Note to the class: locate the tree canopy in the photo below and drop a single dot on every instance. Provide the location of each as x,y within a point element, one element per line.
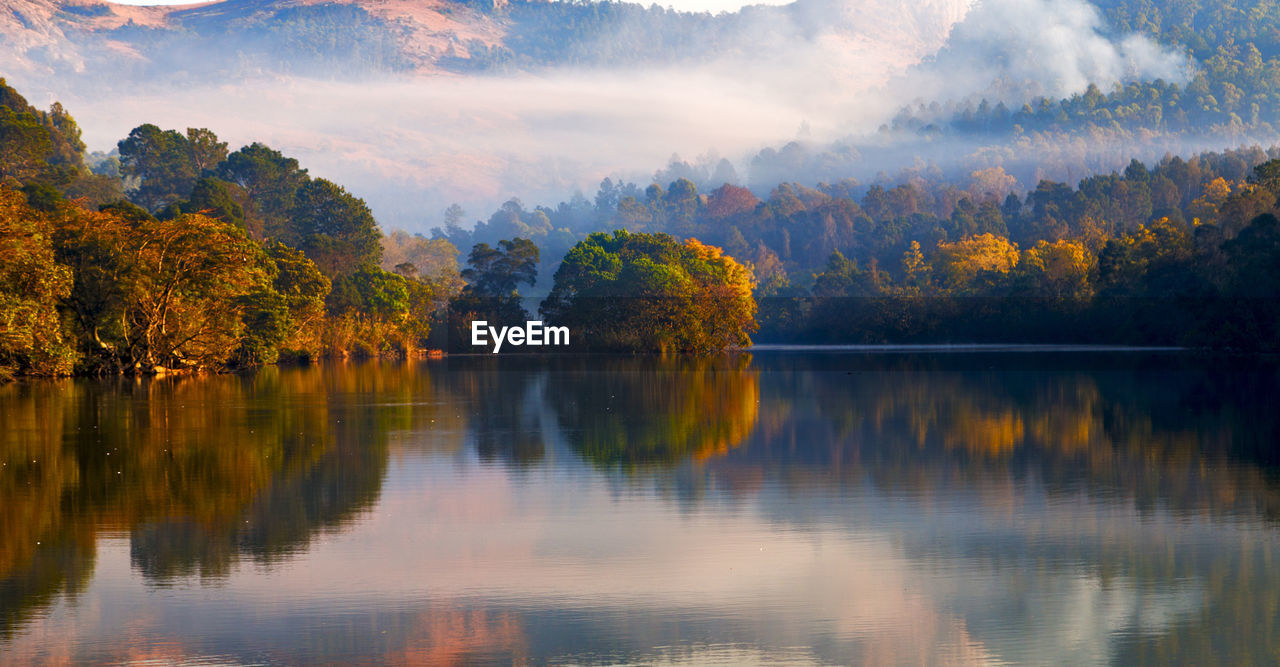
<point>213,260</point>
<point>649,292</point>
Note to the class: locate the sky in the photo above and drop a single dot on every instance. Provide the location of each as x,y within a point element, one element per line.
<point>713,6</point>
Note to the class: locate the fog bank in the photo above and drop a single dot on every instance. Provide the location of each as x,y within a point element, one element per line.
<point>821,71</point>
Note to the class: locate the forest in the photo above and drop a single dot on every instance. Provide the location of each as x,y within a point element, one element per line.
<point>1182,252</point>
<point>175,253</point>
<point>215,259</point>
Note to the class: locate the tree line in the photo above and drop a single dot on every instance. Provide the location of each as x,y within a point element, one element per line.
<point>177,253</point>
<point>1180,252</point>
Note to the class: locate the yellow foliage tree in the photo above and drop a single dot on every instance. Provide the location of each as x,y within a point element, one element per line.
<point>1205,207</point>
<point>1060,269</point>
<point>1217,190</point>
<point>723,299</point>
<point>31,285</point>
<point>958,264</point>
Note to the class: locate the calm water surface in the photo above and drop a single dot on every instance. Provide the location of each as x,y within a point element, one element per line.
<point>966,507</point>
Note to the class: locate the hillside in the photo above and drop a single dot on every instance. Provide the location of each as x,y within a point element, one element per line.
<point>420,104</point>
<point>417,105</point>
<point>241,36</point>
<point>349,38</point>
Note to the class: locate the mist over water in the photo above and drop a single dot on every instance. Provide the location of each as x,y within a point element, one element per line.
<point>816,71</point>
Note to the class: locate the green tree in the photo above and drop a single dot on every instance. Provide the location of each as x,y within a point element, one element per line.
<point>493,277</point>
<point>94,190</point>
<point>336,230</point>
<point>304,289</point>
<point>162,161</point>
<point>206,151</point>
<point>649,292</point>
<point>1250,319</point>
<point>369,313</point>
<point>67,148</point>
<point>213,197</point>
<point>266,324</point>
<point>843,278</point>
<point>1267,177</point>
<point>497,272</point>
<point>38,145</point>
<point>267,183</point>
<point>24,145</point>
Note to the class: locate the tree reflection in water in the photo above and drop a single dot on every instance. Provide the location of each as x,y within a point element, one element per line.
<point>1053,465</point>
<point>632,413</point>
<point>200,471</point>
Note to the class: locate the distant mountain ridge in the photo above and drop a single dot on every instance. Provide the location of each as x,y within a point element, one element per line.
<point>346,38</point>
<point>419,104</point>
<point>241,36</point>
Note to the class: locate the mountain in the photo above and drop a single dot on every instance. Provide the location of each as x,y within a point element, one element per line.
<point>242,36</point>
<point>352,38</point>
<point>418,104</point>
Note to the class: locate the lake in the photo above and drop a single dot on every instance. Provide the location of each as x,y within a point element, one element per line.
<point>966,506</point>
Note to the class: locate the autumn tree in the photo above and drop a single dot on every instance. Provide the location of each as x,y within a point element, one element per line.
<point>1149,261</point>
<point>915,270</point>
<point>959,265</point>
<point>649,292</point>
<point>32,285</point>
<point>1059,270</point>
<point>432,259</point>
<point>729,200</point>
<point>991,184</point>
<point>154,293</point>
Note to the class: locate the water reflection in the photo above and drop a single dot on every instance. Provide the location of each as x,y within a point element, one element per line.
<point>200,472</point>
<point>819,508</point>
<point>637,412</point>
<point>1188,439</point>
